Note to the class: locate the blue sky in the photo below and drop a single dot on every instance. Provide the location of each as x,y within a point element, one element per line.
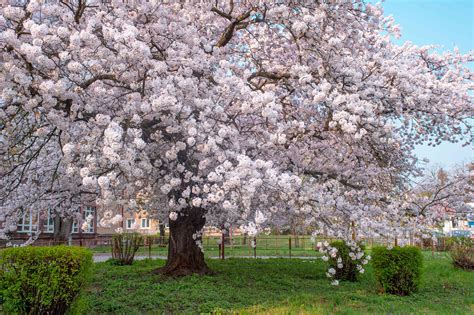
<point>447,23</point>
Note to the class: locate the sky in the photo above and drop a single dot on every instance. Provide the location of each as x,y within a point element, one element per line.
<point>447,23</point>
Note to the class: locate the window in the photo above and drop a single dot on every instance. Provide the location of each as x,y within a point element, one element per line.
<point>28,222</point>
<point>49,224</point>
<point>130,224</point>
<point>87,211</point>
<point>74,228</point>
<point>145,223</point>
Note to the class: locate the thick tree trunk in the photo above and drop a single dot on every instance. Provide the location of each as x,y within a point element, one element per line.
<point>62,229</point>
<point>184,255</point>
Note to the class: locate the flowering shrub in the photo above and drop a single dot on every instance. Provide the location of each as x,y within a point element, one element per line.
<point>124,247</point>
<point>461,250</point>
<point>398,270</point>
<point>346,260</point>
<point>42,280</point>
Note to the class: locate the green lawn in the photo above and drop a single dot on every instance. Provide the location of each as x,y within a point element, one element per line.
<point>273,286</point>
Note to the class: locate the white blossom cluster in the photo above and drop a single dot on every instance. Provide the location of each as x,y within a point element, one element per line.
<point>293,111</point>
<point>356,254</point>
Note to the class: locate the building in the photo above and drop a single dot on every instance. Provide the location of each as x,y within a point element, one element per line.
<point>459,223</point>
<point>31,222</point>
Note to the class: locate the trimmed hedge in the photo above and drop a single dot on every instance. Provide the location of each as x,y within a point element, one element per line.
<point>349,271</point>
<point>42,280</point>
<point>398,270</point>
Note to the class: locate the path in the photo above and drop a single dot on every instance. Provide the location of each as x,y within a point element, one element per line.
<point>104,257</point>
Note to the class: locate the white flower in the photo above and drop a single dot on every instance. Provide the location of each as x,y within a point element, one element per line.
<point>197,202</point>
<point>191,141</point>
<point>259,217</point>
<point>332,271</point>
<point>335,282</point>
<point>173,216</point>
<point>340,266</point>
<point>165,188</point>
<point>103,181</point>
<point>192,131</point>
<point>85,226</point>
<point>88,181</point>
<point>84,172</point>
<point>325,258</point>
<point>68,148</point>
<point>139,143</point>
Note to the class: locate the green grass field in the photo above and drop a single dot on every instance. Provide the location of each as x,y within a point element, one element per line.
<point>271,286</point>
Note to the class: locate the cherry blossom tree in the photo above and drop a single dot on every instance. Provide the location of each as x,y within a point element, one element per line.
<point>439,193</point>
<point>221,112</point>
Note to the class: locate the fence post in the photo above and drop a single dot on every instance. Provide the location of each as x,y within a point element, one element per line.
<point>432,247</point>
<point>254,247</point>
<point>149,247</point>
<point>276,246</point>
<point>223,246</point>
<point>112,247</point>
<point>289,245</point>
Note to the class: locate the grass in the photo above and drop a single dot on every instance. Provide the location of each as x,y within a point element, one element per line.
<point>271,286</point>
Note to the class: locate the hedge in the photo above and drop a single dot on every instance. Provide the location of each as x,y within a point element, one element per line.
<point>42,280</point>
<point>398,270</point>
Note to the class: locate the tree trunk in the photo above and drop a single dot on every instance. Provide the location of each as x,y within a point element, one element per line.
<point>62,229</point>
<point>226,233</point>
<point>162,232</point>
<point>184,255</point>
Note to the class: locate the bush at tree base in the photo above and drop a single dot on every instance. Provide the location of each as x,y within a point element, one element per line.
<point>124,247</point>
<point>461,250</point>
<point>349,270</point>
<point>42,280</point>
<point>398,270</point>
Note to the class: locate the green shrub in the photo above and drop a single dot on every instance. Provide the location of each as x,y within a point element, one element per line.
<point>461,250</point>
<point>42,280</point>
<point>125,246</point>
<point>398,270</point>
<point>349,271</point>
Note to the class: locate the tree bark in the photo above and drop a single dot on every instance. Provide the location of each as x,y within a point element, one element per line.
<point>62,229</point>
<point>226,233</point>
<point>184,255</point>
<point>162,232</point>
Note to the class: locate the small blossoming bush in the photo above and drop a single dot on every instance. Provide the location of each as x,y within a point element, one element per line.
<point>346,260</point>
<point>42,280</point>
<point>398,270</point>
